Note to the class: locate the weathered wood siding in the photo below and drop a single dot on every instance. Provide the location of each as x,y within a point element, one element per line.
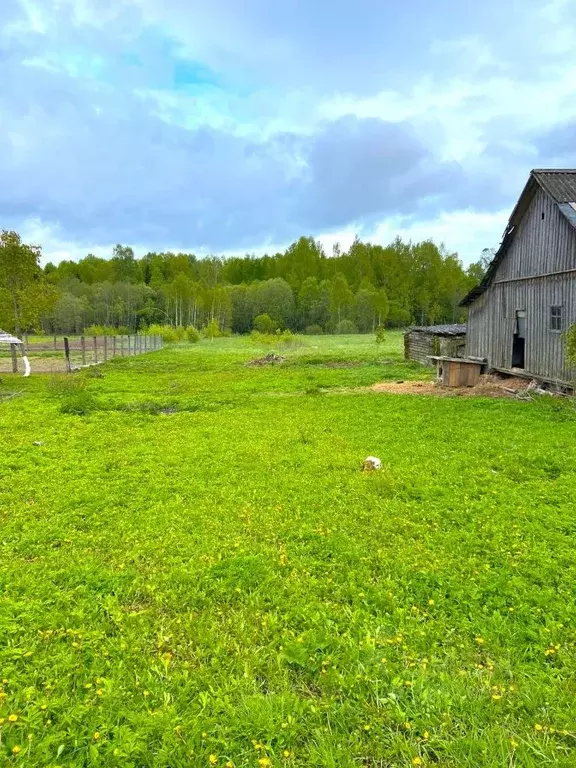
<point>542,245</point>
<point>420,345</point>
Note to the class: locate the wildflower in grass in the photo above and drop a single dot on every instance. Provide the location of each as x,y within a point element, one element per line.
<point>16,750</point>
<point>12,718</point>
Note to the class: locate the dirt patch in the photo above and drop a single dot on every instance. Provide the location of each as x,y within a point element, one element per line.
<point>270,359</point>
<point>490,385</point>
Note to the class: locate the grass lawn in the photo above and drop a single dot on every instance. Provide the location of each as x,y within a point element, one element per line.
<point>194,572</point>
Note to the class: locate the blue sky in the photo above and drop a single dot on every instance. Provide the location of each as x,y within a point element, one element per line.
<point>238,125</point>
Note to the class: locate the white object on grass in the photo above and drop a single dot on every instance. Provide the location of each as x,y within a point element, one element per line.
<point>372,463</point>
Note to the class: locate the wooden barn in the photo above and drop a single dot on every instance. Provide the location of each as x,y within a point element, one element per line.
<point>527,298</point>
<point>421,342</point>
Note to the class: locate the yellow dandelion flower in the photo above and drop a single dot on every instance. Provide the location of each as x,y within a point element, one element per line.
<point>12,718</point>
<point>212,759</point>
<point>16,750</point>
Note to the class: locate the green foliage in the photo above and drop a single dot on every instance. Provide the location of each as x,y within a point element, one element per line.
<point>570,344</point>
<point>369,284</point>
<point>192,335</point>
<point>212,330</point>
<point>264,324</point>
<point>182,581</point>
<point>346,326</point>
<point>170,335</point>
<point>314,330</point>
<point>101,330</point>
<point>24,294</point>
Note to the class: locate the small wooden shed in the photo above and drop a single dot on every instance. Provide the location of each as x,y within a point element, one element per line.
<point>423,342</point>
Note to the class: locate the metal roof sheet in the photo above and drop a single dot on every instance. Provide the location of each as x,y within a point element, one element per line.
<point>453,329</point>
<point>560,184</point>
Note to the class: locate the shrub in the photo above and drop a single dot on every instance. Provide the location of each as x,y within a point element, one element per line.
<point>212,330</point>
<point>313,330</point>
<point>264,324</point>
<point>380,334</point>
<point>346,326</point>
<point>169,333</point>
<point>192,335</point>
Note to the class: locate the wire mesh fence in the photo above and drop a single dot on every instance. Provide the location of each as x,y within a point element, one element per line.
<point>61,354</point>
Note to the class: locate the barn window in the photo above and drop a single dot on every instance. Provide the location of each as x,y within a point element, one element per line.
<point>555,318</point>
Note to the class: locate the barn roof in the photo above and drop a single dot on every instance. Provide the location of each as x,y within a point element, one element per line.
<point>7,338</point>
<point>560,185</point>
<point>454,329</point>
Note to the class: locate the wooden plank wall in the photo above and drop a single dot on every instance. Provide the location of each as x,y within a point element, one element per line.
<point>541,246</point>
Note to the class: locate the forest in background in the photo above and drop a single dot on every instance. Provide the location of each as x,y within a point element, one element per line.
<point>300,289</point>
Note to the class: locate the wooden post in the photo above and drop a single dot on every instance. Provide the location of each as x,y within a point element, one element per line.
<point>67,355</point>
<point>113,346</point>
<point>14,358</point>
<point>105,348</point>
<point>83,346</point>
<point>95,342</point>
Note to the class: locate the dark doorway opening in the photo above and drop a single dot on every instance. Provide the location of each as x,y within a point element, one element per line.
<point>518,341</point>
<point>518,352</point>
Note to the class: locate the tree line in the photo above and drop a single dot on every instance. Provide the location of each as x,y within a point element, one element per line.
<point>300,289</point>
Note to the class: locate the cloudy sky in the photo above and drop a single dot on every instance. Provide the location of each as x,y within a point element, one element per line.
<point>237,125</point>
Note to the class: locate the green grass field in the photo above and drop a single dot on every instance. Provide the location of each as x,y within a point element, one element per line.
<point>194,571</point>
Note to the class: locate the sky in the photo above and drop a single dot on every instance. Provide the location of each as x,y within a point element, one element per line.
<point>234,126</point>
